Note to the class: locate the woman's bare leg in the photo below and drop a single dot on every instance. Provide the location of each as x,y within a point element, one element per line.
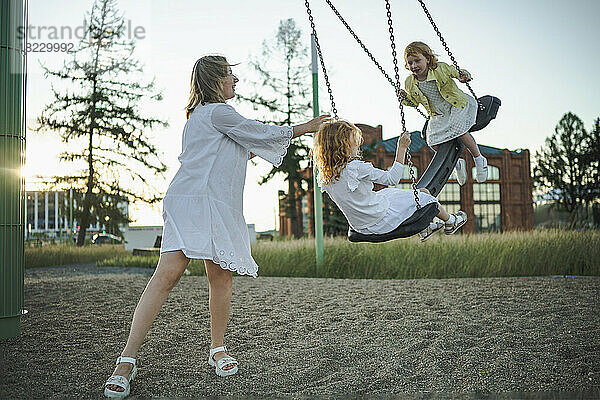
<point>171,266</point>
<point>219,303</point>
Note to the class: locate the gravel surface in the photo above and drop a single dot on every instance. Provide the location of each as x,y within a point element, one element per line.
<point>532,338</point>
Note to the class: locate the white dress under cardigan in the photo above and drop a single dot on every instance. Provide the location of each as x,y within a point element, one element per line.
<point>202,209</point>
<point>449,122</point>
<point>368,211</point>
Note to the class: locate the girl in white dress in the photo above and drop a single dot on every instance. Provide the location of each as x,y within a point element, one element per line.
<point>349,183</point>
<point>452,112</point>
<point>202,210</point>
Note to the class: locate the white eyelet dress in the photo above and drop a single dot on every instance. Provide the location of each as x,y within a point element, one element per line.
<point>202,209</point>
<point>450,122</point>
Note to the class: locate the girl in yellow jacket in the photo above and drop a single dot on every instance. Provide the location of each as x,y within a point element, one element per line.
<point>452,111</point>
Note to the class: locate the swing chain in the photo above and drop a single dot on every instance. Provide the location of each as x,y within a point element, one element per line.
<point>397,76</point>
<point>394,57</point>
<point>446,47</point>
<point>316,39</point>
<point>362,45</point>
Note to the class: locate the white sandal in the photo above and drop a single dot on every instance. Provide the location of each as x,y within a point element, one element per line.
<point>222,362</point>
<point>430,230</point>
<point>460,218</point>
<point>120,381</point>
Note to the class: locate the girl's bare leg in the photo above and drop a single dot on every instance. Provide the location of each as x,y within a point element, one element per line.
<point>219,303</point>
<point>171,266</point>
<point>480,161</point>
<point>442,214</point>
<point>469,141</point>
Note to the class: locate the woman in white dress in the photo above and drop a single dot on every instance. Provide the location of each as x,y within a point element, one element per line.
<point>202,210</point>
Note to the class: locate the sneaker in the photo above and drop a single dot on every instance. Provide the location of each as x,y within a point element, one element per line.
<point>482,171</point>
<point>461,171</point>
<point>460,218</point>
<point>430,230</point>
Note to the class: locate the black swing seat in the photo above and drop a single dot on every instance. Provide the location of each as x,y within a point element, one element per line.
<point>410,227</point>
<point>487,111</point>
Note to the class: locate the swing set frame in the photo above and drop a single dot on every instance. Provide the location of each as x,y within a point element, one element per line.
<point>440,168</point>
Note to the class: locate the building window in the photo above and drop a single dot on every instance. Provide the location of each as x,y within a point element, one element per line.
<point>62,210</point>
<point>486,192</point>
<point>51,211</point>
<point>449,197</point>
<point>487,207</point>
<point>41,211</point>
<point>487,218</point>
<point>493,173</point>
<point>30,212</point>
<point>486,197</point>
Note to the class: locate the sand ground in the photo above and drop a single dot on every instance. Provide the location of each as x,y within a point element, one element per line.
<point>306,338</point>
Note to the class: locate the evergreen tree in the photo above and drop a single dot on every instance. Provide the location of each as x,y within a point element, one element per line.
<point>592,179</point>
<point>97,115</point>
<point>563,165</point>
<point>281,95</point>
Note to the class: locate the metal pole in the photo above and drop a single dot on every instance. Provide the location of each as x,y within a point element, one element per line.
<point>70,217</point>
<point>58,223</point>
<point>317,195</point>
<point>13,14</point>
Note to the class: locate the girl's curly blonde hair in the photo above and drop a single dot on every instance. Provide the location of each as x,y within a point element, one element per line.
<point>416,48</point>
<point>335,145</point>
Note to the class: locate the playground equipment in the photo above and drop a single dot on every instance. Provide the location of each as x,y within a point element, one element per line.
<point>13,14</point>
<point>442,164</point>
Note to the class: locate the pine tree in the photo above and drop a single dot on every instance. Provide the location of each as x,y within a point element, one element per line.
<point>562,165</point>
<point>282,98</point>
<point>592,179</point>
<point>97,115</point>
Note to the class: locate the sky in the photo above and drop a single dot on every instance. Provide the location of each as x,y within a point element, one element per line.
<point>540,57</point>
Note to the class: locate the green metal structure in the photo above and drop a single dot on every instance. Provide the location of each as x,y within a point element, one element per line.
<point>13,14</point>
<point>317,195</point>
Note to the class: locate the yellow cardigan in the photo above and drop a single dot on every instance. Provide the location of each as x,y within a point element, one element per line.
<point>442,76</point>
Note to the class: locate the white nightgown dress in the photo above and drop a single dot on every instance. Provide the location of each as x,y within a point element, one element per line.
<point>202,209</point>
<point>371,212</point>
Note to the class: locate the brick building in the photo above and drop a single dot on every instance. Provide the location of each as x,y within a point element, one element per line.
<point>503,203</point>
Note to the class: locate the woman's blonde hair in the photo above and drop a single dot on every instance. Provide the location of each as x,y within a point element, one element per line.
<point>416,48</point>
<point>206,85</point>
<point>334,147</point>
